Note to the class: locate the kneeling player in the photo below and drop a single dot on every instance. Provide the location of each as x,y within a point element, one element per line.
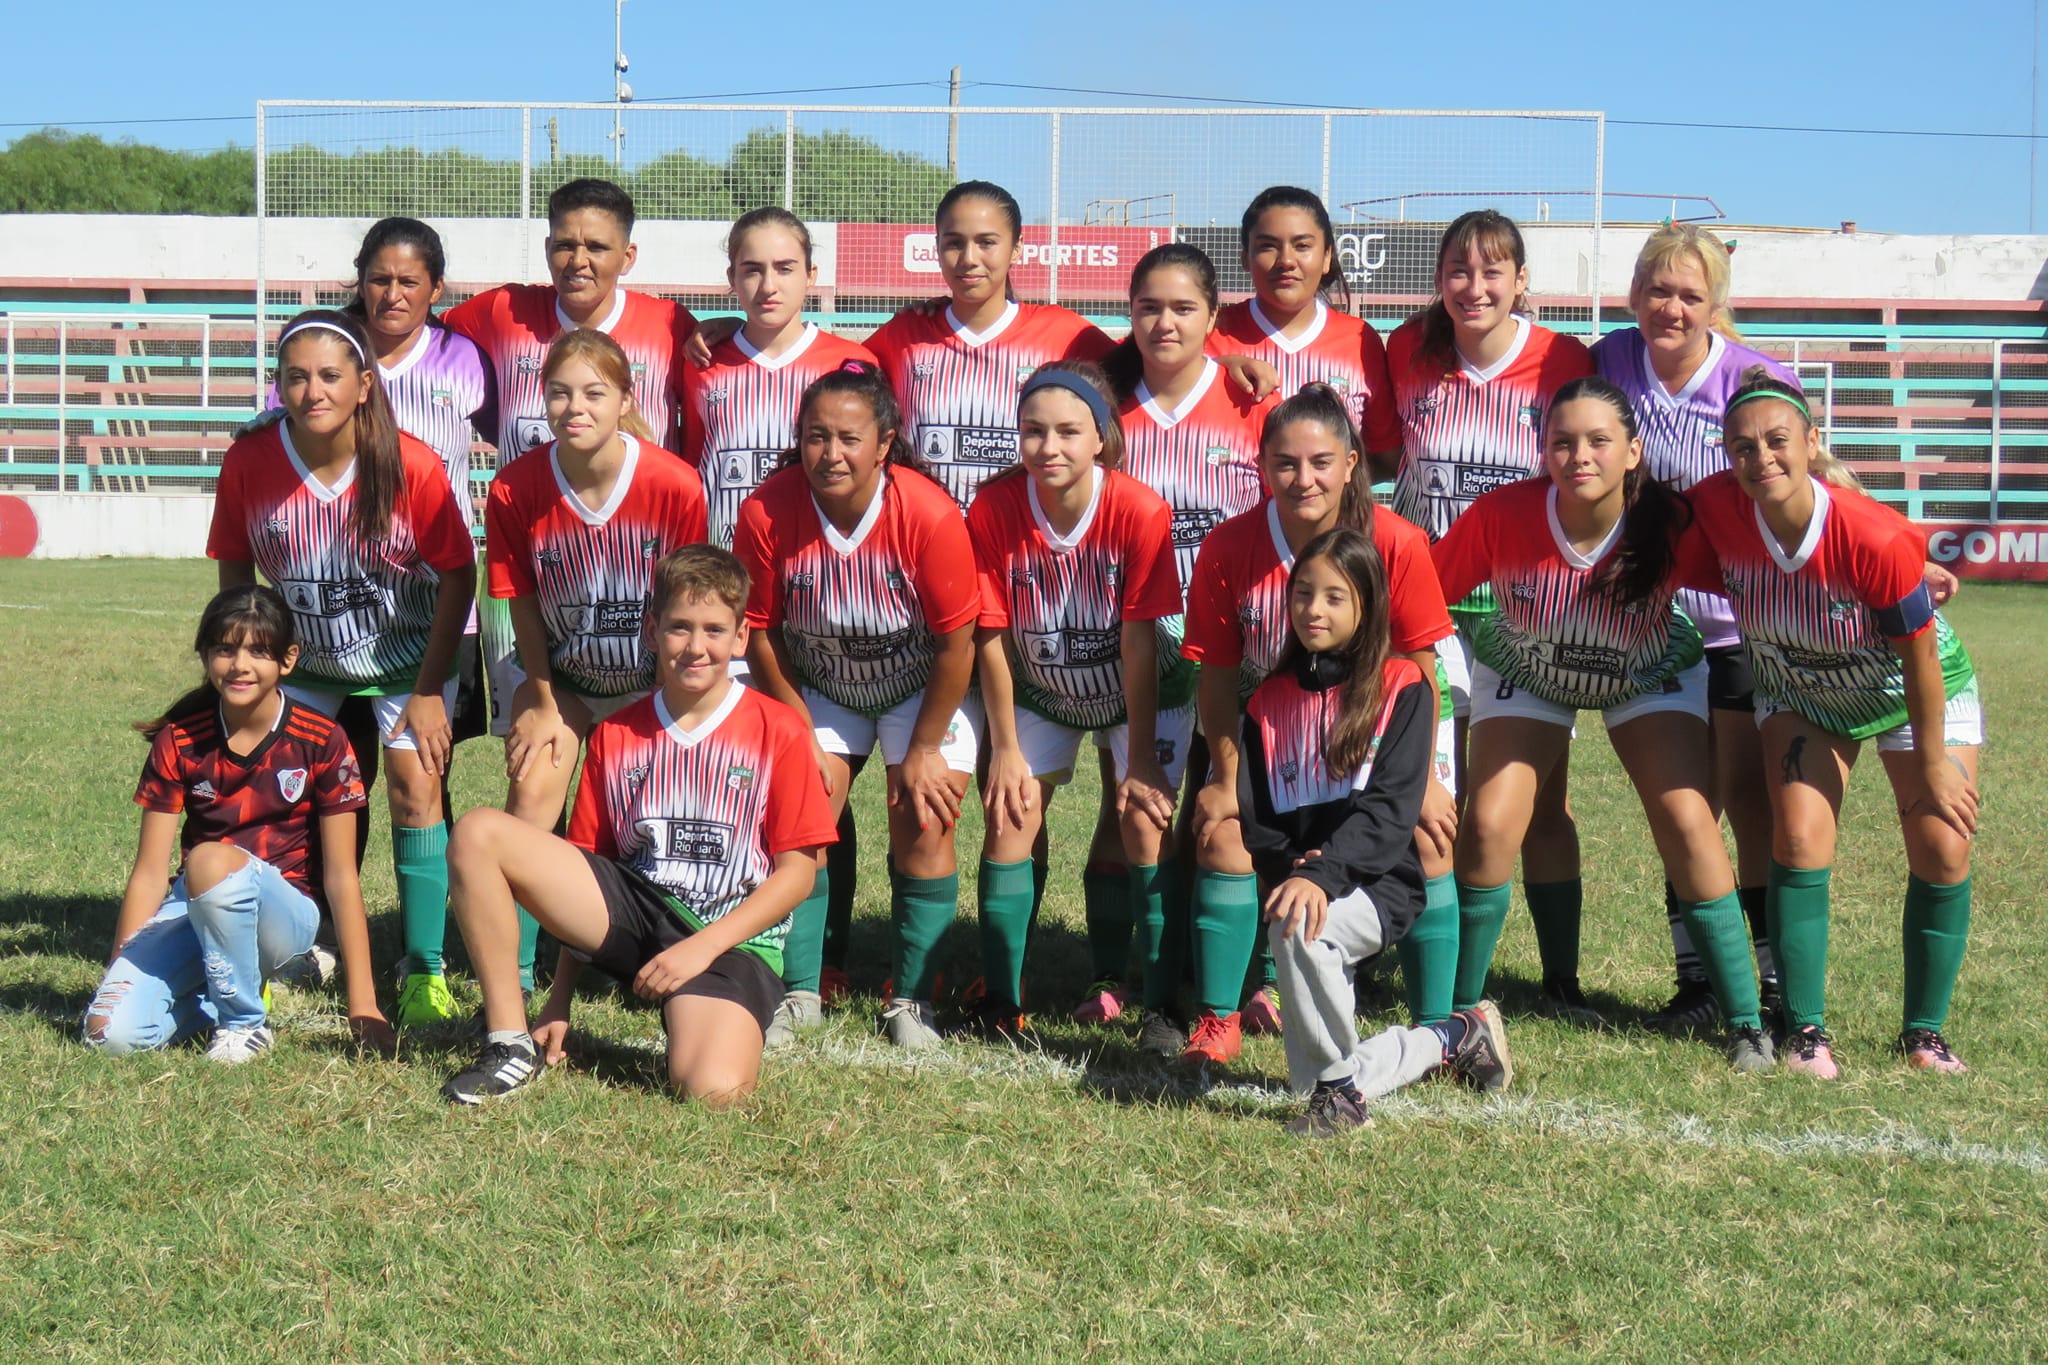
<point>696,831</point>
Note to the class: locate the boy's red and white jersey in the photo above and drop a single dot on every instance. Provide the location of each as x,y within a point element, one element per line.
<point>1469,431</point>
<point>860,614</point>
<point>267,802</point>
<point>516,323</point>
<point>1337,349</point>
<point>1063,599</point>
<point>1203,457</point>
<point>363,611</point>
<point>1237,605</point>
<point>739,413</point>
<point>589,568</point>
<point>1548,632</point>
<point>703,812</point>
<point>958,389</point>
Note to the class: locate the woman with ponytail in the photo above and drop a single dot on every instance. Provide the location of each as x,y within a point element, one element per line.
<point>1582,565</point>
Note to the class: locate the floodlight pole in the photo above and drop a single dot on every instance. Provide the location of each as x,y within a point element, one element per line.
<point>2033,115</point>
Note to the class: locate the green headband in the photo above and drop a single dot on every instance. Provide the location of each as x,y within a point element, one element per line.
<point>1783,397</point>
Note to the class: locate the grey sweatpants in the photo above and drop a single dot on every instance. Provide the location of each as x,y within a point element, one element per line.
<point>1319,1003</point>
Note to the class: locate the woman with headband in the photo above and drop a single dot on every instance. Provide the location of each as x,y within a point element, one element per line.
<point>354,523</point>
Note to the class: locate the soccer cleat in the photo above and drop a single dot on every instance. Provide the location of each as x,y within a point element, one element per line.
<point>1750,1050</point>
<point>1105,1001</point>
<point>995,1020</point>
<point>1215,1039</point>
<point>237,1045</point>
<point>834,987</point>
<point>1159,1036</point>
<point>1481,1058</point>
<point>1261,1013</point>
<point>1562,997</point>
<point>1810,1052</point>
<point>1770,1003</point>
<point>799,1012</point>
<point>1692,1006</point>
<point>424,1001</point>
<point>1332,1111</point>
<point>1926,1050</point>
<point>498,1070</point>
<point>908,1024</point>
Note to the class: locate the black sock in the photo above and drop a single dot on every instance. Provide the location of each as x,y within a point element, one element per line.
<point>1451,1032</point>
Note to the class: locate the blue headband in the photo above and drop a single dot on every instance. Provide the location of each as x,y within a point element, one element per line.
<point>1076,385</point>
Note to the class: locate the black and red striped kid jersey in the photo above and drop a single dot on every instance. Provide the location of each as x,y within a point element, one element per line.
<point>739,413</point>
<point>703,813</point>
<point>363,612</point>
<point>1063,600</point>
<point>267,802</point>
<point>589,569</point>
<point>1203,457</point>
<point>860,614</point>
<point>958,389</point>
<point>516,323</point>
<point>1337,349</point>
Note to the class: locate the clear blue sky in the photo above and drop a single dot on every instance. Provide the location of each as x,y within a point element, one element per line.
<point>1956,67</point>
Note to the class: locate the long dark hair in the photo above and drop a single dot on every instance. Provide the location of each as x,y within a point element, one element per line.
<point>1321,404</point>
<point>1295,197</point>
<point>994,194</point>
<point>1653,513</point>
<point>862,380</point>
<point>423,241</point>
<point>1498,239</point>
<point>256,616</point>
<point>1363,661</point>
<point>380,475</point>
<point>1124,366</point>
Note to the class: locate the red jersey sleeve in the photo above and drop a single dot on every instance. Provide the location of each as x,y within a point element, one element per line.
<point>1888,566</point>
<point>590,824</point>
<point>887,344</point>
<point>1091,344</point>
<point>476,318</point>
<point>985,530</point>
<point>1566,359</point>
<point>753,542</point>
<point>437,526</point>
<point>1212,638</point>
<point>1416,603</point>
<point>508,548</point>
<point>948,589</point>
<point>228,536</point>
<point>799,814</point>
<point>689,381</point>
<point>1382,419</point>
<point>160,788</point>
<point>695,521</point>
<point>1151,584</point>
<point>1464,554</point>
<point>1694,564</point>
<point>338,780</point>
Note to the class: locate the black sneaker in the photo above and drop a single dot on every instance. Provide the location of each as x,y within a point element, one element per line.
<point>1480,1059</point>
<point>1770,1002</point>
<point>993,1020</point>
<point>498,1070</point>
<point>1159,1036</point>
<point>1692,1006</point>
<point>1332,1111</point>
<point>1562,997</point>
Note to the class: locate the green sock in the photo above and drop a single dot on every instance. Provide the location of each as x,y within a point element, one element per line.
<point>1937,927</point>
<point>1798,911</point>
<point>1107,895</point>
<point>1720,936</point>
<point>419,858</point>
<point>842,862</point>
<point>921,909</point>
<point>803,951</point>
<point>1482,910</point>
<point>529,948</point>
<point>1152,901</point>
<point>1555,907</point>
<point>1429,953</point>
<point>1225,931</point>
<point>1005,905</point>
<point>1264,972</point>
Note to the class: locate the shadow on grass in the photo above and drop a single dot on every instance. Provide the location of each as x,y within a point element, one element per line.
<point>1522,997</point>
<point>54,943</point>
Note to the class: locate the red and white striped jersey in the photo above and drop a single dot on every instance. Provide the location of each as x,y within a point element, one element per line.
<point>516,323</point>
<point>1063,600</point>
<point>1818,622</point>
<point>739,413</point>
<point>362,611</point>
<point>1203,457</point>
<point>589,570</point>
<point>1548,632</point>
<point>860,614</point>
<point>1237,605</point>
<point>703,813</point>
<point>1337,349</point>
<point>958,389</point>
<point>1470,431</point>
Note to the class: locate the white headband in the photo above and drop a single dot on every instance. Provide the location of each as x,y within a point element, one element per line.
<point>321,324</point>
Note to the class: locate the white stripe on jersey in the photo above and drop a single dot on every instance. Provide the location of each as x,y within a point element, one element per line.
<point>966,417</point>
<point>1066,626</point>
<point>1198,468</point>
<point>1468,435</point>
<point>593,590</point>
<point>432,399</point>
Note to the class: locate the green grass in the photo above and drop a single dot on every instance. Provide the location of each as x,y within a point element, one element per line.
<point>1629,1200</point>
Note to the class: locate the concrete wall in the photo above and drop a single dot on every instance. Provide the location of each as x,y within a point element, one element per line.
<point>127,526</point>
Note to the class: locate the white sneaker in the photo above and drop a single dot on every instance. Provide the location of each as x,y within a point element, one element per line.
<point>908,1024</point>
<point>237,1045</point>
<point>312,969</point>
<point>799,1012</point>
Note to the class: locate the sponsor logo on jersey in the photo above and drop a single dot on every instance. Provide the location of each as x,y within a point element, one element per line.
<point>1820,660</point>
<point>350,774</point>
<point>549,559</point>
<point>739,778</point>
<point>1191,525</point>
<point>528,433</point>
<point>872,648</point>
<point>694,841</point>
<point>803,580</point>
<point>970,445</point>
<point>766,462</point>
<point>332,599</point>
<point>1250,615</point>
<point>1522,592</point>
<point>291,783</point>
<point>1426,403</point>
<point>1477,480</point>
<point>1080,648</point>
<point>713,397</point>
<point>614,618</point>
<point>923,369</point>
<point>634,777</point>
<point>276,528</point>
<point>529,364</point>
<point>1591,659</point>
<point>1736,586</point>
<point>202,790</point>
<point>1022,578</point>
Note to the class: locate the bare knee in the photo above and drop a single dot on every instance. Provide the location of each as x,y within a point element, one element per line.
<point>414,793</point>
<point>1799,843</point>
<point>480,833</point>
<point>1940,858</point>
<point>208,865</point>
<point>708,1084</point>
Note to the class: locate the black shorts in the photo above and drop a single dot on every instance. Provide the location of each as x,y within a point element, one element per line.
<point>1730,684</point>
<point>643,925</point>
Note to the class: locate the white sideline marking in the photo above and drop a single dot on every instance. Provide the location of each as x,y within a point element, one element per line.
<point>125,611</point>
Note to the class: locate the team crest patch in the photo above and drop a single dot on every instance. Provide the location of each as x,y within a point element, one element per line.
<point>651,547</point>
<point>894,578</point>
<point>291,782</point>
<point>739,777</point>
<point>1289,771</point>
<point>1340,383</point>
<point>1839,611</point>
<point>639,369</point>
<point>443,398</point>
<point>1216,455</point>
<point>1162,749</point>
<point>952,732</point>
<point>1024,372</point>
<point>1532,415</point>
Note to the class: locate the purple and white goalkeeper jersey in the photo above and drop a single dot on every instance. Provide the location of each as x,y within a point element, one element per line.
<point>439,391</point>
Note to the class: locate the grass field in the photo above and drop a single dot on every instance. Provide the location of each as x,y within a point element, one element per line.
<point>1630,1199</point>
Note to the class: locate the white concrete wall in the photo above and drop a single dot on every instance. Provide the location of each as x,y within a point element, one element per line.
<point>120,526</point>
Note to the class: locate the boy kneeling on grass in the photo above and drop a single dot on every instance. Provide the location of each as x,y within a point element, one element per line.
<point>695,832</point>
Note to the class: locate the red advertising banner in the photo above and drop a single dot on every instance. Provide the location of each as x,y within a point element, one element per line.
<point>1975,550</point>
<point>893,258</point>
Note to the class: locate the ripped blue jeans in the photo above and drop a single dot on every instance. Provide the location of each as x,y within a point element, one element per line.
<point>201,961</point>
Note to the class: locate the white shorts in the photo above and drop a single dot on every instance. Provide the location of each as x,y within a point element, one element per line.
<point>1493,696</point>
<point>848,732</point>
<point>1050,747</point>
<point>386,709</point>
<point>1962,722</point>
<point>1455,655</point>
<point>1446,764</point>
